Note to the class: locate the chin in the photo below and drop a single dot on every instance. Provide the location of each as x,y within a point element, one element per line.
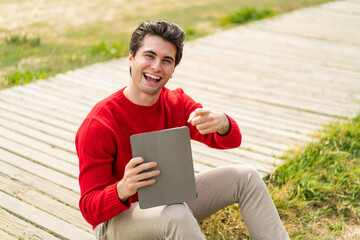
<point>151,91</point>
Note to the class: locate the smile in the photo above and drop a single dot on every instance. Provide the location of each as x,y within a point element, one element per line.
<point>152,78</point>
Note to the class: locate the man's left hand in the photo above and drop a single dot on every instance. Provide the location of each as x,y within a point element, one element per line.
<point>207,121</point>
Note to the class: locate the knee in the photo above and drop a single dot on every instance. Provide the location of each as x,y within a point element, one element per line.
<point>177,214</point>
<point>179,219</point>
<point>249,181</point>
<point>246,174</point>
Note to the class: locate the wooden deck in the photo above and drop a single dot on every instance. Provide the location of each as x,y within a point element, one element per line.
<point>281,79</point>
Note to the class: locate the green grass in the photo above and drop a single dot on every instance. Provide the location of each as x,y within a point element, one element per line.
<point>29,62</point>
<point>317,190</point>
<point>246,15</point>
<point>22,40</point>
<point>27,57</point>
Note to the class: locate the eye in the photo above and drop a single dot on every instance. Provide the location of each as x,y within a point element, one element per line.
<point>149,56</point>
<point>166,61</point>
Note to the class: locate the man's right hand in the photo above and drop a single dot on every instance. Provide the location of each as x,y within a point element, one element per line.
<point>134,177</point>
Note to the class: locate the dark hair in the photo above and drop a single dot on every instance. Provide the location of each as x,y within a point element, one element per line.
<point>168,31</point>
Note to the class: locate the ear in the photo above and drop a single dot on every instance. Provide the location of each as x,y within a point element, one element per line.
<point>131,58</point>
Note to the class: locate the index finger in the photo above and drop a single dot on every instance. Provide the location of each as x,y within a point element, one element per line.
<point>197,112</point>
<point>191,117</point>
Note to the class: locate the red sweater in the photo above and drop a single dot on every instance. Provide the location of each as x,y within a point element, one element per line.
<point>103,145</point>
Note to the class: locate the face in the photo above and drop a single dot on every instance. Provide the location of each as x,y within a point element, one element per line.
<point>152,66</point>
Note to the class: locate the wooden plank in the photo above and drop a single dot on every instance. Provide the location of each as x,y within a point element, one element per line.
<point>310,29</point>
<point>276,100</point>
<point>257,138</point>
<point>263,116</point>
<point>40,117</point>
<point>277,86</point>
<point>39,135</point>
<point>231,155</point>
<point>292,47</point>
<point>200,167</point>
<point>85,83</point>
<point>278,72</point>
<point>42,219</point>
<point>261,149</point>
<point>54,190</point>
<point>263,110</point>
<point>54,88</point>
<point>341,22</point>
<point>39,157</point>
<point>23,90</point>
<point>21,229</point>
<point>314,47</point>
<point>6,236</point>
<point>43,147</point>
<point>256,116</point>
<point>284,53</point>
<point>268,97</point>
<point>230,58</point>
<point>43,202</point>
<point>233,52</point>
<point>40,103</point>
<point>41,171</point>
<point>38,125</point>
<point>48,91</point>
<point>266,126</point>
<point>259,60</point>
<point>216,160</point>
<point>50,113</point>
<point>110,71</point>
<point>348,7</point>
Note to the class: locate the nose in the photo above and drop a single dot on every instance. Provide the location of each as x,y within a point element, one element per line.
<point>156,66</point>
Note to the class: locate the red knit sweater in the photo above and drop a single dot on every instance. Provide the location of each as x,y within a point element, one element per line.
<point>103,145</point>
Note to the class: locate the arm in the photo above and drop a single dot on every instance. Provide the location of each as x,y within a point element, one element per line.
<point>102,198</point>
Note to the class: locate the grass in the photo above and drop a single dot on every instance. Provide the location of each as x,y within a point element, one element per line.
<point>246,15</point>
<point>317,190</point>
<point>28,61</point>
<point>30,56</point>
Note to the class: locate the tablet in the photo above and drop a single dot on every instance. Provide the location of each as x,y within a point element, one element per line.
<point>171,149</point>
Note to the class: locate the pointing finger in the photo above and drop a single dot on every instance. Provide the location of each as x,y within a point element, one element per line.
<point>192,116</point>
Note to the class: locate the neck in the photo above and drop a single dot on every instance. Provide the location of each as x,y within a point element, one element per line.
<point>140,98</point>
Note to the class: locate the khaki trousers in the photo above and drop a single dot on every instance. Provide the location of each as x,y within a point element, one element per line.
<point>217,188</point>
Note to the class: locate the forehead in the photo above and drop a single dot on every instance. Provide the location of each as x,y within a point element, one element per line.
<point>158,45</point>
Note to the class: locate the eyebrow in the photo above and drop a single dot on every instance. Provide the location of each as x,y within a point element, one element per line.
<point>166,57</point>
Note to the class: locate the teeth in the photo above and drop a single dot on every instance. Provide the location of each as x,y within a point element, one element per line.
<point>152,76</point>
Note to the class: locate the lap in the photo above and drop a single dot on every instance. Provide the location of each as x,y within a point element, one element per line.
<point>161,222</point>
<point>216,189</point>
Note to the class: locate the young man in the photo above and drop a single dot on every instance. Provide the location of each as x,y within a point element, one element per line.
<point>110,177</point>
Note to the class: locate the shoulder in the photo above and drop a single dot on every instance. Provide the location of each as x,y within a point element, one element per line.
<point>104,114</point>
<point>177,94</point>
<point>106,106</point>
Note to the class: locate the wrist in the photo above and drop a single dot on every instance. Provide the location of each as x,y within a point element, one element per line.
<point>225,128</point>
<point>121,195</point>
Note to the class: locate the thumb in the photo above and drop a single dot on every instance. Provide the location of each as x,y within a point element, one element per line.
<point>201,111</point>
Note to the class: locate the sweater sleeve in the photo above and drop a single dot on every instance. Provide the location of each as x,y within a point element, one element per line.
<point>214,140</point>
<point>96,149</point>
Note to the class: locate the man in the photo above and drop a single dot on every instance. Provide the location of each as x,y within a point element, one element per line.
<point>110,177</point>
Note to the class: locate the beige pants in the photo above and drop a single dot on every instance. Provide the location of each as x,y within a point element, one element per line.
<point>217,188</point>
